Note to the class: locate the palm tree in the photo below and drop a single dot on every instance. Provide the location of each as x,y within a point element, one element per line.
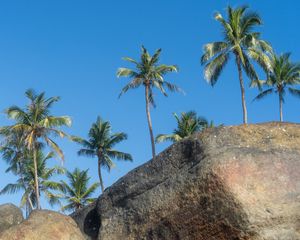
<point>37,124</point>
<point>78,193</point>
<point>26,181</point>
<point>187,124</point>
<point>282,74</point>
<point>239,38</point>
<point>14,152</point>
<point>101,144</point>
<point>149,74</point>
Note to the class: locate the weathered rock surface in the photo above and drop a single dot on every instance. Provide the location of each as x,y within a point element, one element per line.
<point>229,183</point>
<point>10,215</point>
<point>44,225</point>
<point>88,221</point>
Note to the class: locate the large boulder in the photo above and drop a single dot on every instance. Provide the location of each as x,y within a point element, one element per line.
<point>88,220</point>
<point>44,225</point>
<point>228,183</point>
<point>10,215</point>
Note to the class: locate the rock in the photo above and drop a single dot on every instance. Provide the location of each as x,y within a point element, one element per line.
<point>88,221</point>
<point>44,225</point>
<point>10,215</point>
<point>228,183</point>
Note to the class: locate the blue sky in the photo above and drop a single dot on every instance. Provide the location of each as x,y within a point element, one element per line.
<point>73,48</point>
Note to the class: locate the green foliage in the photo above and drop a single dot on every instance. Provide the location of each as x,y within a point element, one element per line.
<point>239,39</point>
<point>37,125</point>
<point>25,182</point>
<point>100,144</point>
<point>148,72</point>
<point>282,75</point>
<point>77,193</point>
<point>187,124</point>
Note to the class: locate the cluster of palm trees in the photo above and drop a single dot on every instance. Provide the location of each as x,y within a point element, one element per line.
<point>34,128</point>
<point>25,142</point>
<point>245,46</point>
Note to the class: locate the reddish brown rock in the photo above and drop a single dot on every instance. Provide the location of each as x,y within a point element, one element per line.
<point>44,225</point>
<point>228,183</point>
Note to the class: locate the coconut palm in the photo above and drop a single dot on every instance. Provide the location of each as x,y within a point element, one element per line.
<point>37,124</point>
<point>14,152</point>
<point>282,74</point>
<point>100,144</point>
<point>26,181</point>
<point>239,38</point>
<point>149,74</point>
<point>188,123</point>
<point>78,193</point>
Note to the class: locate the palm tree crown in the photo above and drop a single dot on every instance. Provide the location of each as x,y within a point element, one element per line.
<point>187,124</point>
<point>149,74</point>
<point>78,193</point>
<point>101,143</point>
<point>239,39</point>
<point>282,74</point>
<point>37,124</point>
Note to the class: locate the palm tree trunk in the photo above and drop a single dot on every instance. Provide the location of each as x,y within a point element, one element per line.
<point>28,201</point>
<point>280,107</point>
<point>149,120</point>
<point>36,182</point>
<point>100,175</point>
<point>245,116</point>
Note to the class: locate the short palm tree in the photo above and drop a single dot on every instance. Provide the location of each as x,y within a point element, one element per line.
<point>187,124</point>
<point>239,38</point>
<point>149,74</point>
<point>282,75</point>
<point>37,124</point>
<point>100,144</point>
<point>78,193</point>
<point>26,181</point>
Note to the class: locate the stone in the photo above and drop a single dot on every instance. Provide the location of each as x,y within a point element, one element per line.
<point>88,221</point>
<point>44,225</point>
<point>10,215</point>
<point>226,183</point>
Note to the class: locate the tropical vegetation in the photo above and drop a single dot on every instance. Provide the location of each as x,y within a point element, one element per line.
<point>100,144</point>
<point>35,129</point>
<point>37,125</point>
<point>150,74</point>
<point>238,39</point>
<point>78,193</point>
<point>188,123</point>
<point>282,75</point>
<point>26,182</point>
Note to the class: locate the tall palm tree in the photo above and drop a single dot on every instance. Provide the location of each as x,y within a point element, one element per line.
<point>26,182</point>
<point>38,125</point>
<point>149,74</point>
<point>282,75</point>
<point>78,193</point>
<point>100,144</point>
<point>239,37</point>
<point>188,123</point>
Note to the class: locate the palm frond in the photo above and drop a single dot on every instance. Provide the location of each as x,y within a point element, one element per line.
<point>263,94</point>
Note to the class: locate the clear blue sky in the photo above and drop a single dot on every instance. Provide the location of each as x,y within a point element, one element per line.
<point>73,48</point>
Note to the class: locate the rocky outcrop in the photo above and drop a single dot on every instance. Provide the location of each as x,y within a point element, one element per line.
<point>44,225</point>
<point>228,183</point>
<point>10,215</point>
<point>88,221</point>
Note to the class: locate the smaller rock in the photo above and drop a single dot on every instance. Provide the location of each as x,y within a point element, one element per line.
<point>10,215</point>
<point>44,225</point>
